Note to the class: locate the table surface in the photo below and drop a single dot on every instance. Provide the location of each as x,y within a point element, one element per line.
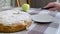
<point>35,28</point>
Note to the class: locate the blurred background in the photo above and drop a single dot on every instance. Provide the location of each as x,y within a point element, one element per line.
<point>19,3</point>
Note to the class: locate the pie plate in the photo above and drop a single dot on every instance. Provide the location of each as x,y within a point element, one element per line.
<point>42,18</point>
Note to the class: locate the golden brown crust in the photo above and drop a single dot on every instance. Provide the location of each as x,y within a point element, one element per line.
<point>18,27</point>
<point>11,28</point>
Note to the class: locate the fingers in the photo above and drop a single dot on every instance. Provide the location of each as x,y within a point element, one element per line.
<point>49,5</point>
<point>53,6</point>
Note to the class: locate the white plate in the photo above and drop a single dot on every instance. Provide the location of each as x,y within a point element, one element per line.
<point>42,18</point>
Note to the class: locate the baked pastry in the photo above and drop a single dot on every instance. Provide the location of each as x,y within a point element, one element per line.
<point>13,21</point>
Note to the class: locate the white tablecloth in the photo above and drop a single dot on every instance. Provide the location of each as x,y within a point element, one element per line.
<point>49,28</point>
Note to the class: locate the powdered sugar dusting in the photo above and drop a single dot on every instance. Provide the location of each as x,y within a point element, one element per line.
<point>11,17</point>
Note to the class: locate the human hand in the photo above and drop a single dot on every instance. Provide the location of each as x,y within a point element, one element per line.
<point>53,6</point>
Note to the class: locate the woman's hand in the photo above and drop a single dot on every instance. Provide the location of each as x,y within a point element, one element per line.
<point>53,5</point>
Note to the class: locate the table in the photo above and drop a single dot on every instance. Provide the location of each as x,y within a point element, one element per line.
<point>35,28</point>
